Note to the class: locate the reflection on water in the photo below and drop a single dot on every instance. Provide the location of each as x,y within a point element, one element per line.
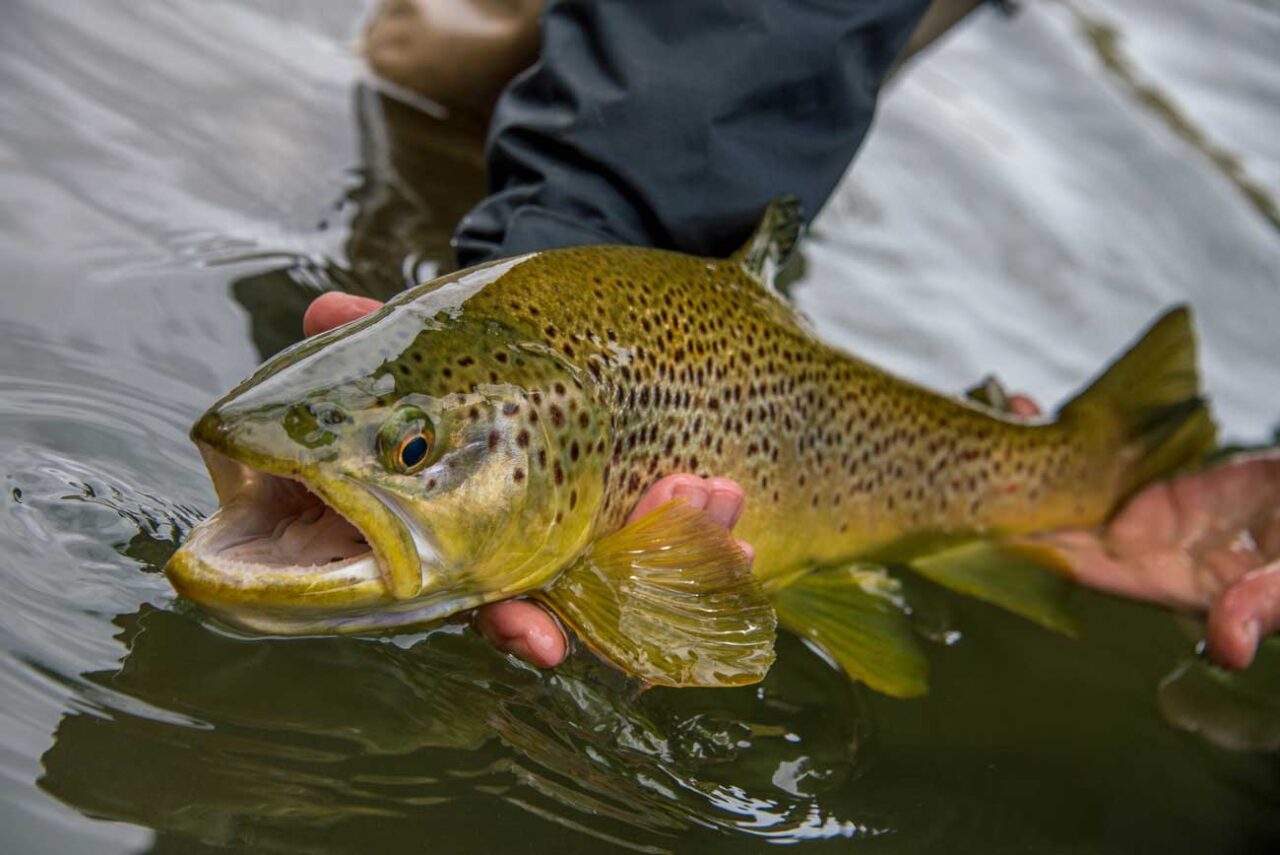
<point>180,180</point>
<point>398,217</point>
<point>238,740</point>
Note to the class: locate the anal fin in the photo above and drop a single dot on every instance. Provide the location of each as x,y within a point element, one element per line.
<point>1023,578</point>
<point>856,614</point>
<point>670,599</point>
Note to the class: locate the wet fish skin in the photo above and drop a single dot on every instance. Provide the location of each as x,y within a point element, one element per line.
<point>561,384</point>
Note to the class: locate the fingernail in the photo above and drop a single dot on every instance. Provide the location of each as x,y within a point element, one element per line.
<point>694,497</point>
<point>1251,632</point>
<point>725,506</point>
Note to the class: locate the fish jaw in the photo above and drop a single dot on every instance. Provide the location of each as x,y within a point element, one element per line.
<point>291,551</point>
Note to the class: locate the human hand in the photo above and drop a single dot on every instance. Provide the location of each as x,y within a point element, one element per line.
<point>523,627</point>
<point>1204,541</point>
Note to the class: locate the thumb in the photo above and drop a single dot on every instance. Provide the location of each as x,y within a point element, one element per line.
<point>335,309</point>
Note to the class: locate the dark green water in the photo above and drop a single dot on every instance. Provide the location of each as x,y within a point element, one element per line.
<point>179,179</point>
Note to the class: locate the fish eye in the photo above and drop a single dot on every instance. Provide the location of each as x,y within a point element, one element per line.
<point>406,439</point>
<point>413,450</point>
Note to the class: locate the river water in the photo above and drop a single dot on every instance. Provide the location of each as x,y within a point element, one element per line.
<point>180,178</point>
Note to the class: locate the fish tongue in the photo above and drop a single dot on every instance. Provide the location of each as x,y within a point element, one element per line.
<point>318,535</point>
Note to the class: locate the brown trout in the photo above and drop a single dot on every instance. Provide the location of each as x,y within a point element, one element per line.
<point>485,435</point>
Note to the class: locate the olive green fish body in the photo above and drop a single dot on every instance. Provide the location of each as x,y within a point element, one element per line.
<point>695,366</point>
<point>487,434</point>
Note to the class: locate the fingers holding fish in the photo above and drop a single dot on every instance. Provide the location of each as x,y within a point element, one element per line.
<point>1205,541</point>
<point>722,499</point>
<point>1246,612</point>
<point>524,629</point>
<point>1021,405</point>
<point>334,309</point>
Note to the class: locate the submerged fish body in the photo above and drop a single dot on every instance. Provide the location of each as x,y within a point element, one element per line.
<point>486,434</point>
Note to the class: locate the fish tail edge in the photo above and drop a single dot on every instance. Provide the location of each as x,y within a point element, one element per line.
<point>1150,400</point>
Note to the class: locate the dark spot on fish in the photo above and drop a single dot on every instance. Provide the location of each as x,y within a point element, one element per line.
<point>559,473</point>
<point>494,438</point>
<point>573,499</point>
<point>522,439</point>
<point>518,474</point>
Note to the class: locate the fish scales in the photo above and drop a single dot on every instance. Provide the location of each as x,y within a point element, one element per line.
<point>700,368</point>
<point>486,435</point>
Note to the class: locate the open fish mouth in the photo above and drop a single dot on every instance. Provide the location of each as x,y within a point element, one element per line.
<point>289,554</point>
<point>275,552</point>
<point>286,528</point>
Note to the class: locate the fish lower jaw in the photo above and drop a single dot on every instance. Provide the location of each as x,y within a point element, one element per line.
<point>227,571</point>
<point>385,617</point>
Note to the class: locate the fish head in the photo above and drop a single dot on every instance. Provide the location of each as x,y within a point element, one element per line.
<point>360,490</point>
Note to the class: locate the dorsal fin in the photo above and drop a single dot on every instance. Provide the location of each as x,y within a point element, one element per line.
<point>774,239</point>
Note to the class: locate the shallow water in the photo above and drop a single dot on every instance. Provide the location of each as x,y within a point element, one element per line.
<point>179,179</point>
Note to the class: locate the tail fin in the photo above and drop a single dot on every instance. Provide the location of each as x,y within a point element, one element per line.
<point>1151,395</point>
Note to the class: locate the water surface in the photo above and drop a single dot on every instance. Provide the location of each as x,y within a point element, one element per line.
<point>181,178</point>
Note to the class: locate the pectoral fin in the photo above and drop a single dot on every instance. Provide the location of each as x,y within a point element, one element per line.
<point>670,598</point>
<point>857,615</point>
<point>1025,579</point>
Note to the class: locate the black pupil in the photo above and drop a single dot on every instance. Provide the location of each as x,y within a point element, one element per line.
<point>412,452</point>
